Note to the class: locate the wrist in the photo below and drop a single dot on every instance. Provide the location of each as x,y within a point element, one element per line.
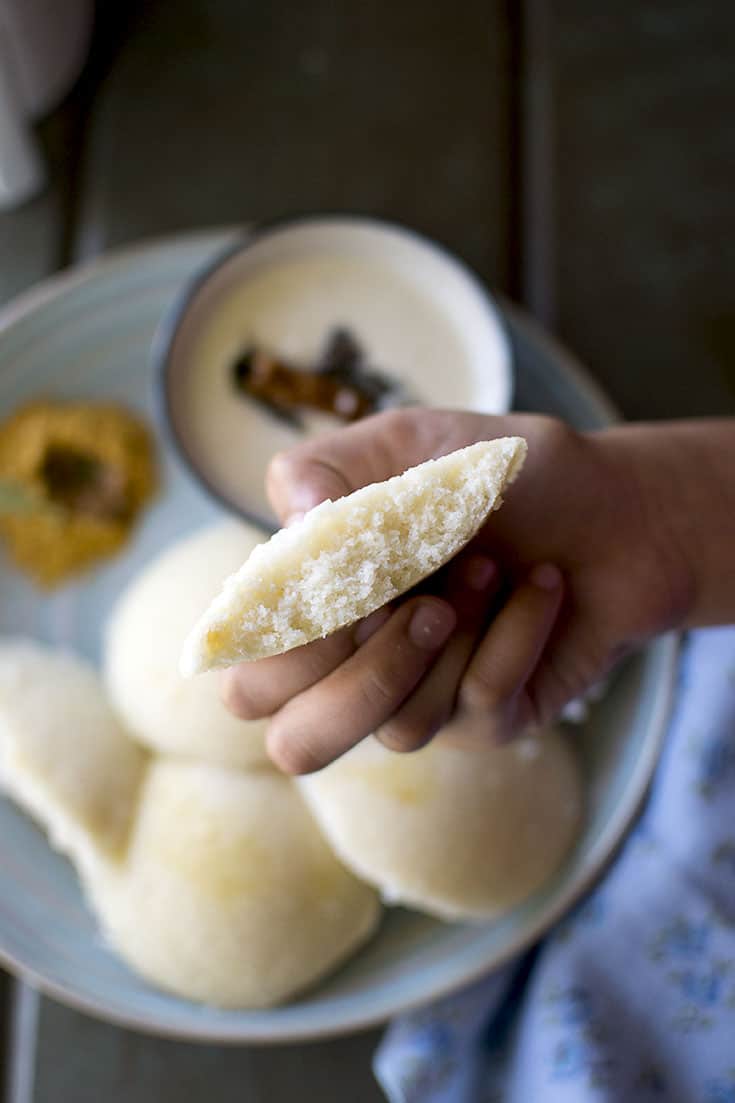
<point>653,474</point>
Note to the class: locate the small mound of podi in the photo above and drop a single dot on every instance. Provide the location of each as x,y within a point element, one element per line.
<point>87,469</point>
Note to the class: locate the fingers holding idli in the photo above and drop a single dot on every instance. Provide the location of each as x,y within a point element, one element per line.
<point>497,684</point>
<point>471,586</point>
<point>255,690</point>
<point>460,654</point>
<point>363,692</point>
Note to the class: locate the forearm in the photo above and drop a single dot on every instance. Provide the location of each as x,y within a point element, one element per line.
<point>684,474</point>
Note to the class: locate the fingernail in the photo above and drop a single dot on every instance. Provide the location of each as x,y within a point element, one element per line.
<point>546,576</point>
<point>478,572</point>
<point>431,625</point>
<point>370,625</point>
<point>294,518</point>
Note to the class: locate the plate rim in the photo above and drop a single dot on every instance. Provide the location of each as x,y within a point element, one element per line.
<point>619,827</point>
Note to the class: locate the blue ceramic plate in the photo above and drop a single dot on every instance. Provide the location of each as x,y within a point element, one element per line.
<point>88,335</point>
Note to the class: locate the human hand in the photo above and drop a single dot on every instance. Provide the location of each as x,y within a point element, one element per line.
<point>571,573</point>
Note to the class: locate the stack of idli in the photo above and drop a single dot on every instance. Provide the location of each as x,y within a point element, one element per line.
<point>203,865</point>
<point>213,875</point>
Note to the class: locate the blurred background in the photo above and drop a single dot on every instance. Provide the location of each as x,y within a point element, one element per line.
<point>580,156</point>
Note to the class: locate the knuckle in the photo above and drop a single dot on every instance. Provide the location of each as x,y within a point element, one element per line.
<point>556,431</point>
<point>289,752</point>
<point>379,690</point>
<point>479,692</point>
<point>396,420</point>
<point>320,657</point>
<point>404,736</point>
<point>531,712</point>
<point>239,699</point>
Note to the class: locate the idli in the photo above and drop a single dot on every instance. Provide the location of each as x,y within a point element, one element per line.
<point>144,637</point>
<point>457,833</point>
<point>229,894</point>
<point>63,755</point>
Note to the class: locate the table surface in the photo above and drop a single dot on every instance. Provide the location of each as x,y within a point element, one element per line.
<point>580,156</point>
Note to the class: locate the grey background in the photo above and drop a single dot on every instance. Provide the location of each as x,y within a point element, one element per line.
<point>581,156</point>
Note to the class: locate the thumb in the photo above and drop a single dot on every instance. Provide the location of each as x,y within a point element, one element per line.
<point>336,463</point>
<point>296,484</point>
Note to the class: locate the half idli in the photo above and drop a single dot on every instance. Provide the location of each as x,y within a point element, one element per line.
<point>345,559</point>
<point>64,757</point>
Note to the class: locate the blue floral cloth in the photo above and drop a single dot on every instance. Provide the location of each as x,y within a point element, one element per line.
<point>632,998</point>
